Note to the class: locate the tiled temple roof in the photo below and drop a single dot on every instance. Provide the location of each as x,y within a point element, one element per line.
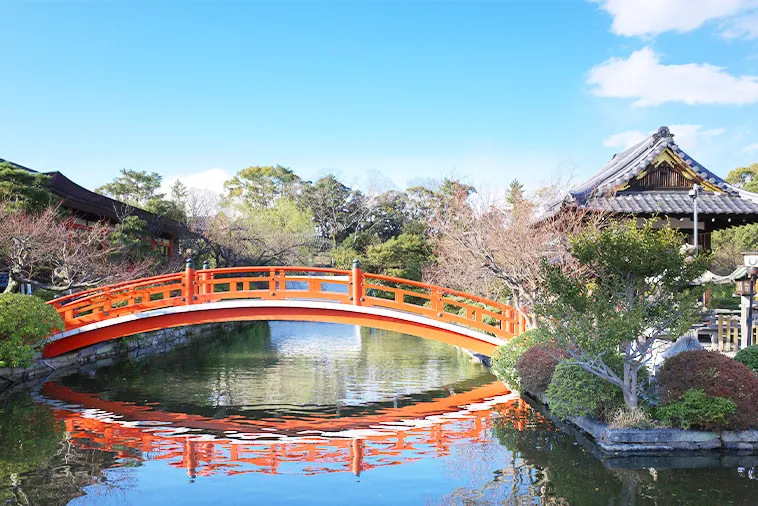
<point>601,190</point>
<point>76,197</point>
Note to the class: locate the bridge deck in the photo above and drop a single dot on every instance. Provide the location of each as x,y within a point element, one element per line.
<point>283,293</point>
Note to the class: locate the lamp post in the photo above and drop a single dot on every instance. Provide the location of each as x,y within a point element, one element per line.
<point>751,262</point>
<point>694,194</point>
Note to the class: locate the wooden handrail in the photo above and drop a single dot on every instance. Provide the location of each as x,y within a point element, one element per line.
<point>270,283</point>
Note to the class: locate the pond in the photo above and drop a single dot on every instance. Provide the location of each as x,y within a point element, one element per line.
<point>303,413</point>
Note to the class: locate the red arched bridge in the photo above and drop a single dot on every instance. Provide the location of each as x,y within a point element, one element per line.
<point>283,293</point>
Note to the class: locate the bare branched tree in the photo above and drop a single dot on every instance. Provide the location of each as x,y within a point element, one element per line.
<point>49,252</point>
<point>496,249</point>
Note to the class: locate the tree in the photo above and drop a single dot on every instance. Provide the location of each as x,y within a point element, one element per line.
<point>729,244</point>
<point>44,250</point>
<point>496,250</point>
<point>128,238</point>
<point>430,204</point>
<point>515,193</point>
<point>24,189</point>
<point>744,177</point>
<point>391,216</point>
<point>404,256</point>
<point>134,187</point>
<point>262,186</point>
<point>633,286</point>
<point>338,211</point>
<point>140,189</point>
<point>278,235</point>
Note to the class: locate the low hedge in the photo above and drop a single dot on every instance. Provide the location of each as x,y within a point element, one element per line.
<point>25,324</point>
<point>716,375</point>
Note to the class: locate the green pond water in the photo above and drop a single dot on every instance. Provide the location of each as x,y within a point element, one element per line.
<point>303,413</point>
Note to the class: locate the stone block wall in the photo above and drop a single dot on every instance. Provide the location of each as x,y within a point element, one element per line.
<point>111,352</point>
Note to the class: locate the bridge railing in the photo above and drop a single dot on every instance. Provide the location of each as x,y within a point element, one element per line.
<point>290,283</point>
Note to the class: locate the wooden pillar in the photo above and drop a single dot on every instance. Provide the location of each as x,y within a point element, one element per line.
<point>189,282</point>
<point>356,288</point>
<point>205,287</point>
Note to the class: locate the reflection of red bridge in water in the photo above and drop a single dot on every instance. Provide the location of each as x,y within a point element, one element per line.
<point>283,293</point>
<point>394,436</point>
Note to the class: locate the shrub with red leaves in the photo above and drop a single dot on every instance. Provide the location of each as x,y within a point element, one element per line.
<point>536,367</point>
<point>718,376</point>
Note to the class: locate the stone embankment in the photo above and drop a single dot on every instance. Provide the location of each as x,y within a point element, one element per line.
<point>623,442</point>
<point>109,352</point>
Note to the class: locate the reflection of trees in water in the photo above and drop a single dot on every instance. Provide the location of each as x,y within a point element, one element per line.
<point>39,466</point>
<point>547,467</point>
<point>515,483</point>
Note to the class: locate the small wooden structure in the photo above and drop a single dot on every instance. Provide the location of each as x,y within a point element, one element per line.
<point>726,331</point>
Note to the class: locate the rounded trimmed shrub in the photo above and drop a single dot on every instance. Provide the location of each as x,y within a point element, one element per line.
<point>697,410</point>
<point>717,376</point>
<point>506,357</point>
<point>536,367</point>
<point>576,392</point>
<point>25,324</point>
<point>749,357</point>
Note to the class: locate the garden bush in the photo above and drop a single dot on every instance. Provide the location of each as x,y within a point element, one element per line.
<point>697,410</point>
<point>749,357</point>
<point>536,366</point>
<point>576,392</point>
<point>717,376</point>
<point>25,324</point>
<point>506,357</point>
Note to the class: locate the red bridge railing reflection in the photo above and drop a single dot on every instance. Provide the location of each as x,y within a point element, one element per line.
<point>356,445</point>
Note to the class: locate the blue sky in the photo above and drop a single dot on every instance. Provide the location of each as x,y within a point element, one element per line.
<point>489,91</point>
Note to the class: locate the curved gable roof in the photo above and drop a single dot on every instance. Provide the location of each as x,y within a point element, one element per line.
<point>627,164</point>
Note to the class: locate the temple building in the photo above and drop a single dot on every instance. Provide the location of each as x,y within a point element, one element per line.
<point>654,178</point>
<point>87,207</point>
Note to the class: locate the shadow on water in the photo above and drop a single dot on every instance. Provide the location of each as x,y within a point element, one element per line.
<point>273,413</point>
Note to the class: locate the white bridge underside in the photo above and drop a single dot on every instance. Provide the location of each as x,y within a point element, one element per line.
<point>305,304</point>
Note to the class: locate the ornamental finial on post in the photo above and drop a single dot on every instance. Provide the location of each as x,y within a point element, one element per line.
<point>206,265</point>
<point>356,264</point>
<point>189,263</point>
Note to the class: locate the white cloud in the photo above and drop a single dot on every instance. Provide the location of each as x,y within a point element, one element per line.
<point>742,27</point>
<point>691,136</point>
<point>211,179</point>
<point>624,140</point>
<point>686,136</point>
<point>749,149</point>
<point>652,17</point>
<point>643,77</point>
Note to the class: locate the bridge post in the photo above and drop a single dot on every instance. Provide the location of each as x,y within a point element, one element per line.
<point>189,282</point>
<point>356,287</point>
<point>205,277</point>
